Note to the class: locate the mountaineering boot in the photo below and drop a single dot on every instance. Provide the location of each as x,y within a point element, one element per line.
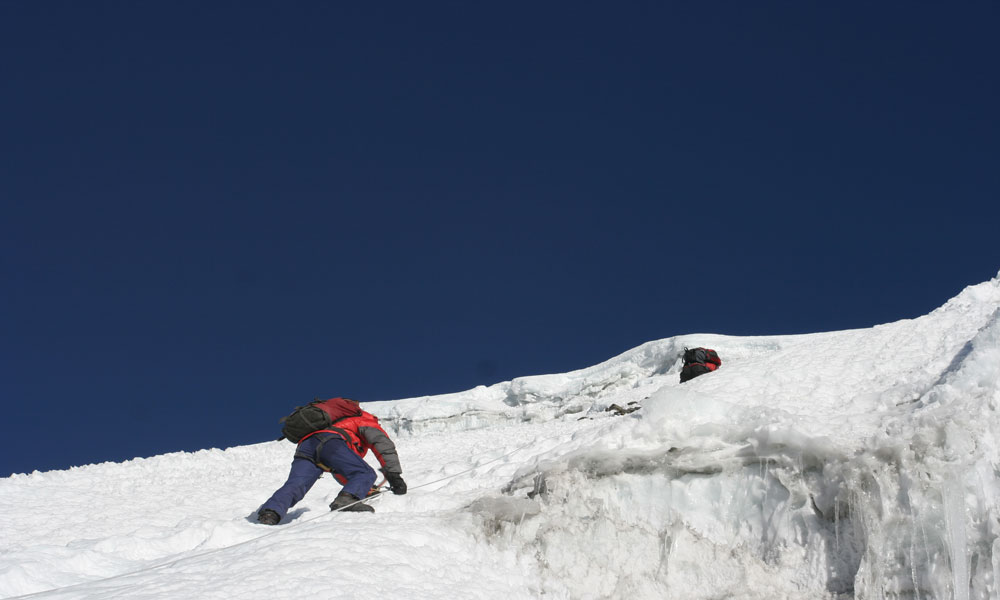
<point>268,517</point>
<point>351,502</point>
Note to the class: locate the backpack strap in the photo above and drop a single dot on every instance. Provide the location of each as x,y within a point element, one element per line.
<point>318,450</point>
<point>313,457</point>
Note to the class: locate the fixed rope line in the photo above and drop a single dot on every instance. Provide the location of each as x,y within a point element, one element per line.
<point>174,561</point>
<point>469,470</point>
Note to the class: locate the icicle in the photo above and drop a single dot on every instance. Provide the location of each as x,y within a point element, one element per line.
<point>995,559</point>
<point>913,562</point>
<point>836,524</point>
<point>954,505</point>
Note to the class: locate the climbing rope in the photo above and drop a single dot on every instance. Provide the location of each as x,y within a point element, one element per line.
<point>422,485</point>
<point>282,530</point>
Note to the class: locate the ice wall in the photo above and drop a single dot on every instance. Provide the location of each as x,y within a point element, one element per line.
<point>850,464</point>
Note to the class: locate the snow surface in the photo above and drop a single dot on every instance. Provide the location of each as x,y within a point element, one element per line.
<point>858,463</point>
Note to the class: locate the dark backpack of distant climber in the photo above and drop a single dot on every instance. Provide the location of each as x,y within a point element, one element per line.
<point>698,361</point>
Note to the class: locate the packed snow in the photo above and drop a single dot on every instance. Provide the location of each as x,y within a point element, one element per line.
<point>858,463</point>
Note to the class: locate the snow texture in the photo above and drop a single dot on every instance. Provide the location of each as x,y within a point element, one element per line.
<point>845,464</point>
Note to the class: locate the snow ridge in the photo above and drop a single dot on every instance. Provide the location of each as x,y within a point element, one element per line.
<point>856,463</point>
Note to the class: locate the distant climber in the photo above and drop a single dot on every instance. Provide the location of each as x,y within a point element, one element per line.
<point>334,436</point>
<point>698,361</point>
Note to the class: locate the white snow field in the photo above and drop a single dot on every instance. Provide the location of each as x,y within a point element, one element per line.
<point>858,463</point>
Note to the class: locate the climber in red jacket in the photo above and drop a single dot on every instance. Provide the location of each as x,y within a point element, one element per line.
<point>698,361</point>
<point>338,448</point>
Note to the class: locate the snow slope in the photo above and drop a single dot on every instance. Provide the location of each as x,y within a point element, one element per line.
<point>856,463</point>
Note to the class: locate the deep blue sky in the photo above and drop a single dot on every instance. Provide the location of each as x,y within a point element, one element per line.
<point>215,211</point>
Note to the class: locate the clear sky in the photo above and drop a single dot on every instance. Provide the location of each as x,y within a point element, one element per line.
<point>215,211</point>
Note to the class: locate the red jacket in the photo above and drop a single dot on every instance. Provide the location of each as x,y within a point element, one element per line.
<point>363,433</point>
<point>712,360</point>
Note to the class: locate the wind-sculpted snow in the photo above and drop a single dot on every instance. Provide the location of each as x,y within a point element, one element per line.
<point>544,397</point>
<point>856,463</point>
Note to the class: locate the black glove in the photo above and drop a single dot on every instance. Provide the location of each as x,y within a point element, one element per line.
<point>396,484</point>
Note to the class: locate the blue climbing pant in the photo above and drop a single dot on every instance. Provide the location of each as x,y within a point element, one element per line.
<point>335,454</point>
